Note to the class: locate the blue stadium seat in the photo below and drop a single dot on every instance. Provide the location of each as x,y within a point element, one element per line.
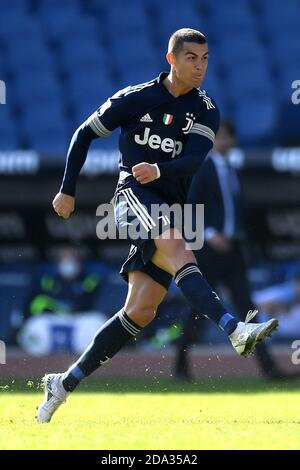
<point>29,56</point>
<point>127,18</point>
<point>58,8</point>
<point>284,49</point>
<point>19,26</point>
<point>60,28</point>
<point>52,141</point>
<point>8,130</point>
<point>232,17</point>
<point>39,117</point>
<point>255,121</point>
<point>82,55</point>
<point>16,7</point>
<point>277,17</point>
<point>250,80</point>
<point>90,88</point>
<point>181,15</point>
<point>247,49</point>
<point>39,88</point>
<point>139,72</point>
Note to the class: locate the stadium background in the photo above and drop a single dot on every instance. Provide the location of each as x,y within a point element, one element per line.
<point>60,60</point>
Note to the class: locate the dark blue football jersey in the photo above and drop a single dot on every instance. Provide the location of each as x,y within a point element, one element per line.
<point>157,128</point>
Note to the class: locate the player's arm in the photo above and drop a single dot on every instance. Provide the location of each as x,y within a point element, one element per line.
<point>100,124</point>
<point>64,201</point>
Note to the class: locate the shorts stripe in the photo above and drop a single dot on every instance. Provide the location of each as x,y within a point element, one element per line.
<point>135,210</point>
<point>143,209</point>
<point>139,210</point>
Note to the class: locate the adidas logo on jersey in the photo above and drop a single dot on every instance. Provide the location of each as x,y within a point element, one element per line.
<point>146,118</point>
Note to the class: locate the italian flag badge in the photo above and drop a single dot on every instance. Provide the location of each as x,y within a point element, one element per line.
<point>168,118</point>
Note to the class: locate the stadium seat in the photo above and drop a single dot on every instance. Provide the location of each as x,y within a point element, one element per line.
<point>8,130</point>
<point>127,18</point>
<point>284,49</point>
<point>52,141</point>
<point>250,80</point>
<point>19,26</point>
<point>60,28</point>
<point>183,15</point>
<point>232,17</point>
<point>275,17</point>
<point>247,49</point>
<point>36,89</point>
<point>29,56</point>
<point>83,56</point>
<point>46,122</point>
<point>255,121</point>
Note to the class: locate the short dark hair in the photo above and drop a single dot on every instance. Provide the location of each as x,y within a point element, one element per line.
<point>185,35</point>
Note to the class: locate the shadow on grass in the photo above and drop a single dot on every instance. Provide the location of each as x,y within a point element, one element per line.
<point>155,385</point>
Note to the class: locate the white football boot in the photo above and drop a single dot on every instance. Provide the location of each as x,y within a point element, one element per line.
<point>246,335</point>
<point>55,395</point>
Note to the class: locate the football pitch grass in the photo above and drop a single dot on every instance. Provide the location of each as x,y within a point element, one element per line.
<point>136,414</point>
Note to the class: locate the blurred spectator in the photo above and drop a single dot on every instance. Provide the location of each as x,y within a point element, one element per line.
<point>50,325</point>
<point>282,300</point>
<point>69,289</point>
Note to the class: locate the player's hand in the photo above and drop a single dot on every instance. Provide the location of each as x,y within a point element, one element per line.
<point>64,205</point>
<point>219,243</point>
<point>144,172</point>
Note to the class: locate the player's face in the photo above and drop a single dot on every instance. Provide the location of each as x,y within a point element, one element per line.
<point>190,64</point>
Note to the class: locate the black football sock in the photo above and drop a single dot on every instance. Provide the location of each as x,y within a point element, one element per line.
<point>202,298</point>
<point>109,339</point>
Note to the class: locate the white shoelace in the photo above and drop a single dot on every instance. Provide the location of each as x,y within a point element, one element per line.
<point>251,314</point>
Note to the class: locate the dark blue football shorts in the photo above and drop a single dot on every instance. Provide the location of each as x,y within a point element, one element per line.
<point>141,214</point>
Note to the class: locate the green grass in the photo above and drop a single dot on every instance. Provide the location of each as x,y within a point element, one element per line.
<point>123,414</point>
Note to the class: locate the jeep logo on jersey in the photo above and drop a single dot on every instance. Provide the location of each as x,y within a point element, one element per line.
<point>154,141</point>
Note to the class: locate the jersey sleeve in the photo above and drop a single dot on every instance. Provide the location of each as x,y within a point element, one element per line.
<point>200,141</point>
<point>204,128</point>
<point>112,114</point>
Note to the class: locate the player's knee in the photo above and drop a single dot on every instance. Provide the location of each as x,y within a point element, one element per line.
<point>142,315</point>
<point>173,247</point>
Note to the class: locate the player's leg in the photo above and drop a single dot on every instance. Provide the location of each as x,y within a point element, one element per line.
<point>144,296</point>
<point>174,256</point>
